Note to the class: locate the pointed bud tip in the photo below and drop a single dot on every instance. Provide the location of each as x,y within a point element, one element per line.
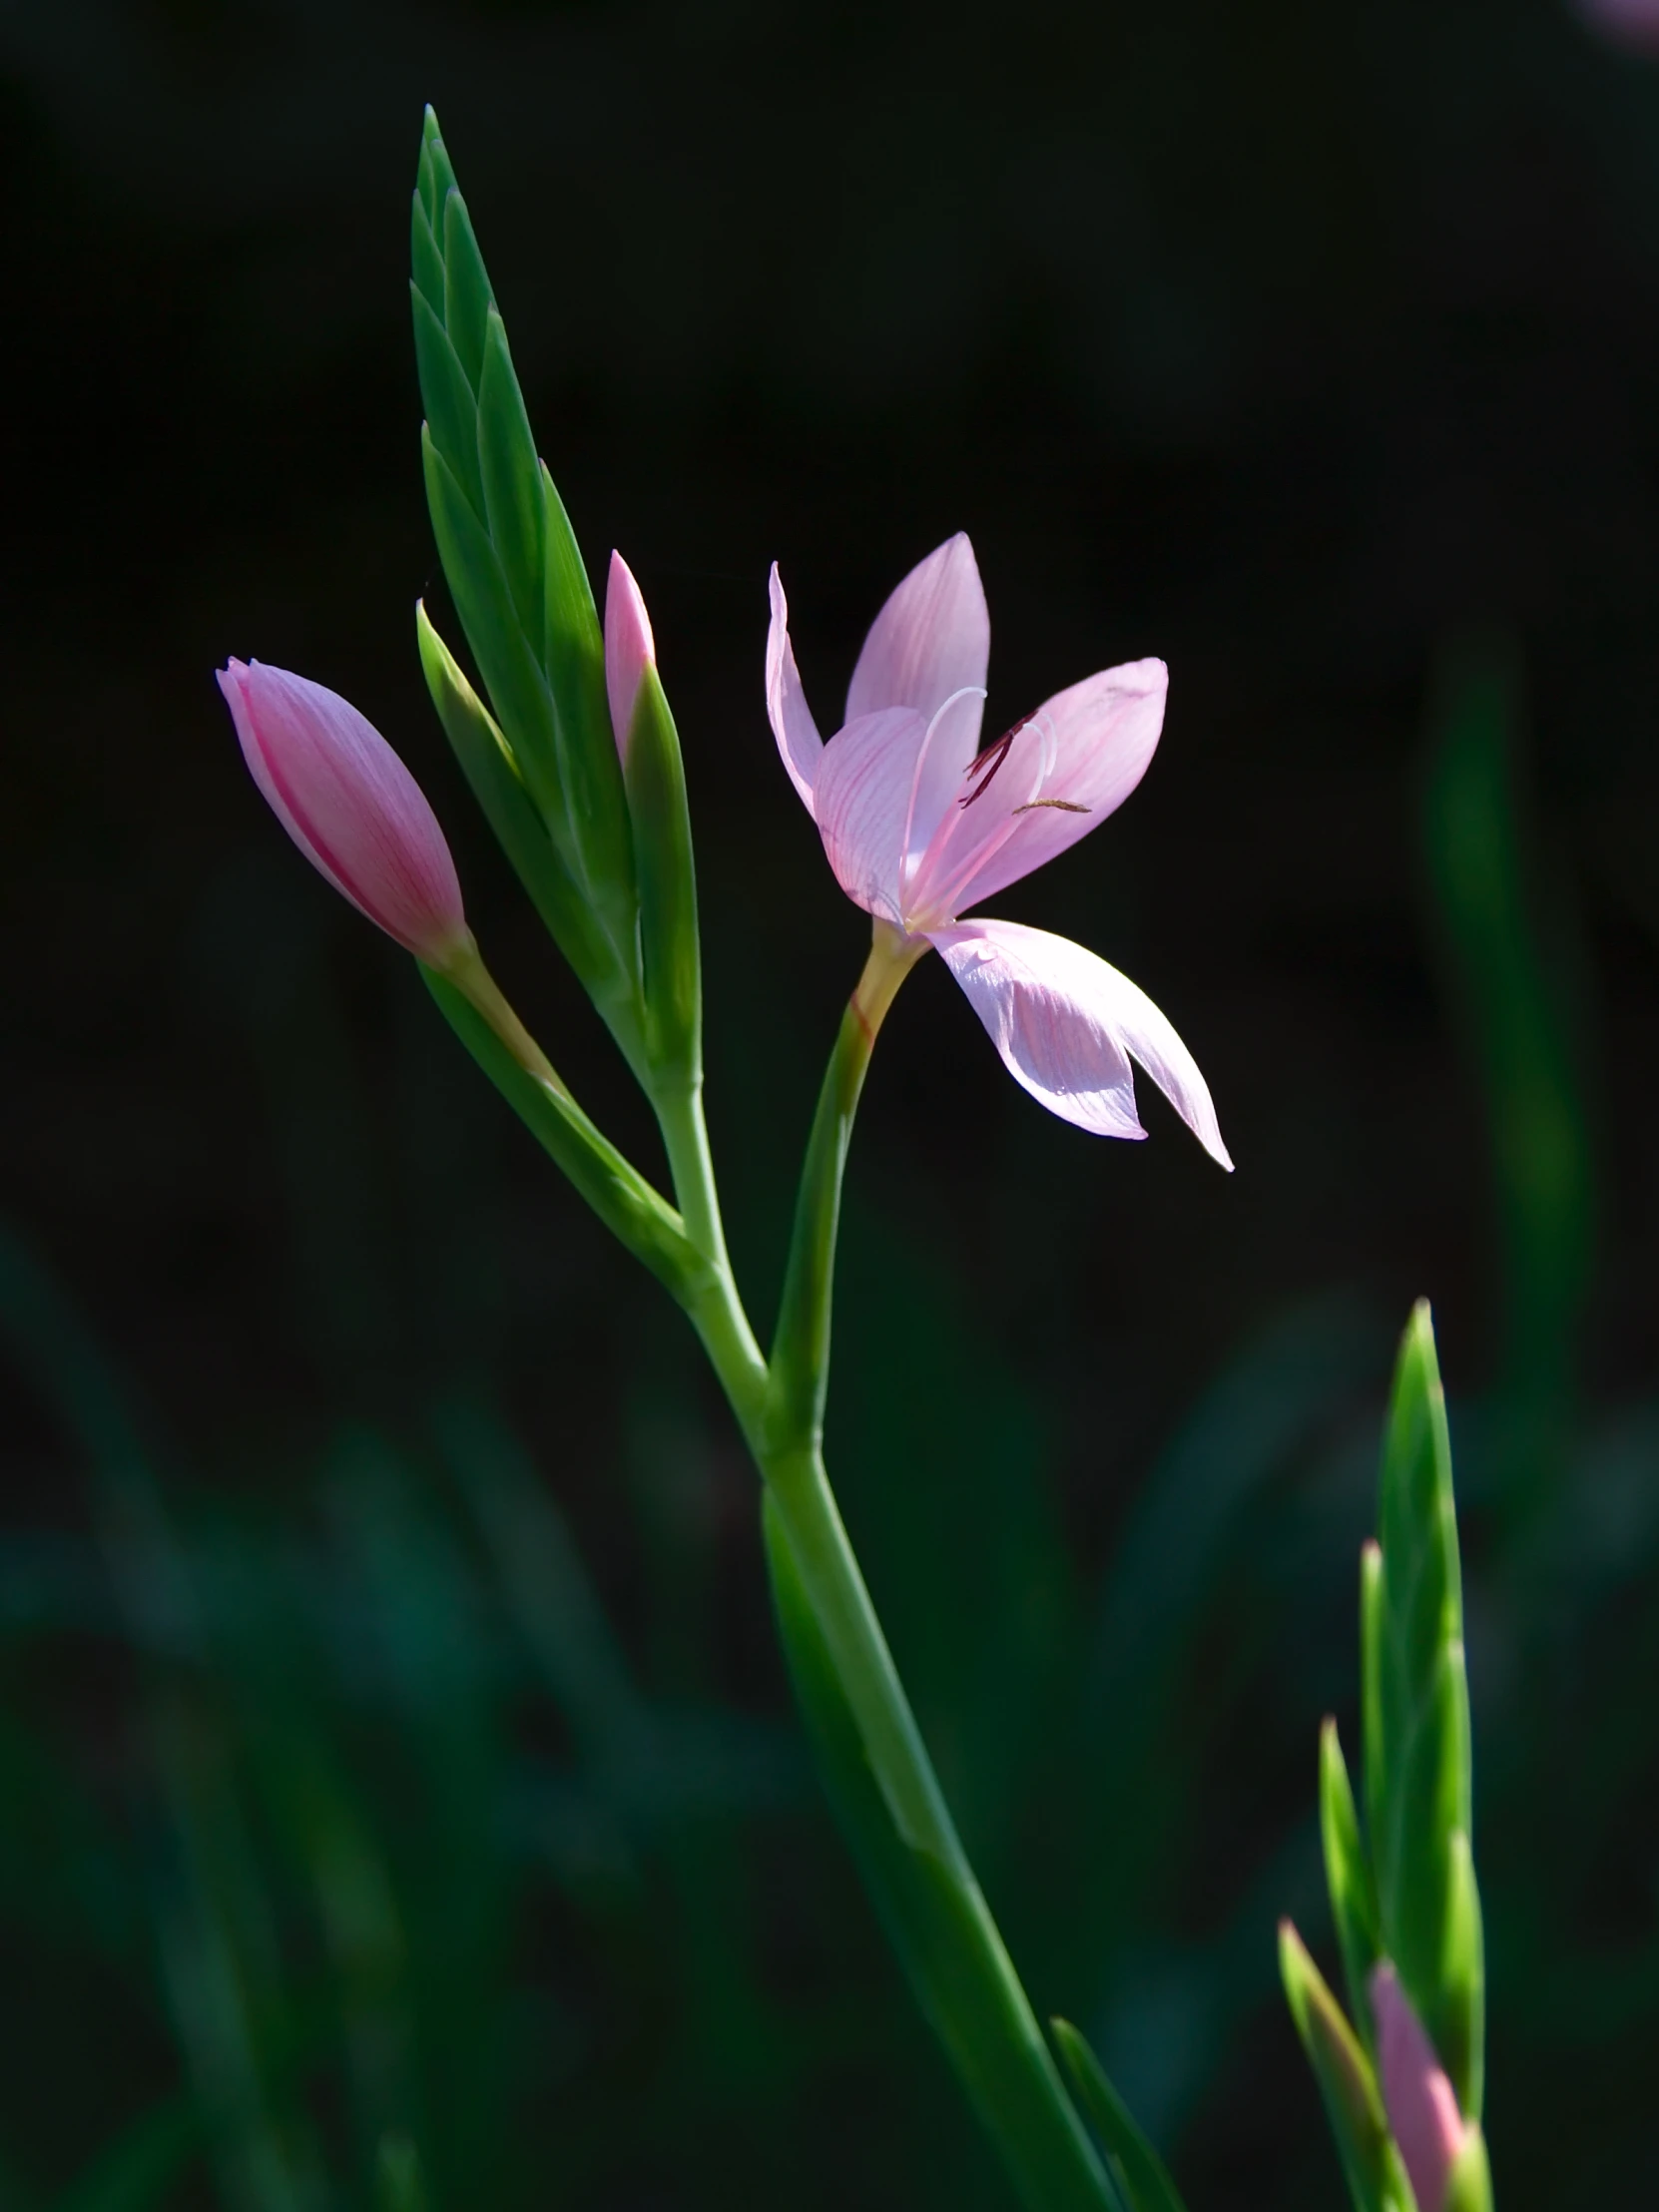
<point>630,648</point>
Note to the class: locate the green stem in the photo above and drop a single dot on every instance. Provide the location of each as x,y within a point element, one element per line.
<point>716,1310</point>
<point>913,1862</point>
<point>800,1368</point>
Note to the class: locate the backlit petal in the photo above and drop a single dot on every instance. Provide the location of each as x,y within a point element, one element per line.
<point>931,640</point>
<point>1103,733</point>
<point>786,708</point>
<point>861,800</point>
<point>1067,1026</point>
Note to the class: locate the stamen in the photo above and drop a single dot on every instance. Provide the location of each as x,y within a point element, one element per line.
<point>985,765</point>
<point>1066,806</point>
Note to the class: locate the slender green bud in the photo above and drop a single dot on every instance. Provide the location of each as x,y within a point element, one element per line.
<point>1348,1878</point>
<point>655,780</point>
<point>1347,2081</point>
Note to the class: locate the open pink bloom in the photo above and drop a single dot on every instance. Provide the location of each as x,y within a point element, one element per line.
<point>919,824</point>
<point>630,648</point>
<point>350,804</point>
<point>1420,2100</point>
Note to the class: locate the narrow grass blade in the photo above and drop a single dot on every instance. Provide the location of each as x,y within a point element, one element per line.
<point>1145,2178</point>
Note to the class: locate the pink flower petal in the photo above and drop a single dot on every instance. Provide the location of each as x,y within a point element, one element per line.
<point>862,801</point>
<point>1071,764</point>
<point>630,648</point>
<point>931,640</point>
<point>1420,2100</point>
<point>786,708</point>
<point>1066,1026</point>
<point>350,803</point>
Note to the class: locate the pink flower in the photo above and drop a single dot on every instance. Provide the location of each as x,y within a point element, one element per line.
<point>1420,2100</point>
<point>1632,23</point>
<point>630,648</point>
<point>919,824</point>
<point>350,804</point>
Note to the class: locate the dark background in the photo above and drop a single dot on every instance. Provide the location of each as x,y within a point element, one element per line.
<point>392,1736</point>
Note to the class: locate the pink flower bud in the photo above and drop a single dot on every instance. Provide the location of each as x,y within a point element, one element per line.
<point>1420,2103</point>
<point>629,647</point>
<point>350,804</point>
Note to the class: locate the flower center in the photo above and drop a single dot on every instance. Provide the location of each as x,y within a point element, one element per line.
<point>964,843</point>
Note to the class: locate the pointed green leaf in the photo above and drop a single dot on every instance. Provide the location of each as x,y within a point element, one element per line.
<point>656,785</point>
<point>467,299</point>
<point>576,671</point>
<point>514,570</point>
<point>425,257</point>
<point>1343,2074</point>
<point>438,178</point>
<point>627,1204</point>
<point>1374,1601</point>
<point>1417,1715</point>
<point>488,766</point>
<point>512,482</point>
<point>1463,1980</point>
<point>426,190</point>
<point>451,414</point>
<point>1146,2179</point>
<point>518,691</point>
<point>1470,2185</point>
<point>1347,1875</point>
<point>946,1941</point>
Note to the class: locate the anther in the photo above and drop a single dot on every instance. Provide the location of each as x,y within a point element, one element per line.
<point>985,765</point>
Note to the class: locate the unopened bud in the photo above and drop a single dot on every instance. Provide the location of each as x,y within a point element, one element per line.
<point>1417,2096</point>
<point>630,648</point>
<point>350,804</point>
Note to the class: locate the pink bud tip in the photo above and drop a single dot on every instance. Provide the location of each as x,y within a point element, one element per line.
<point>629,647</point>
<point>350,804</point>
<point>1420,2100</point>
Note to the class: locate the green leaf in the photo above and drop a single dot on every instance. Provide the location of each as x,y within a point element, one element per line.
<point>1145,2178</point>
<point>399,2183</point>
<point>514,570</point>
<point>425,259</point>
<point>1464,1975</point>
<point>576,671</point>
<point>945,1939</point>
<point>487,763</point>
<point>1469,2184</point>
<point>437,178</point>
<point>1372,1612</point>
<point>512,482</point>
<point>654,779</point>
<point>1348,1878</point>
<point>518,691</point>
<point>612,1186</point>
<point>1418,1762</point>
<point>1343,2074</point>
<point>451,412</point>
<point>467,299</point>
